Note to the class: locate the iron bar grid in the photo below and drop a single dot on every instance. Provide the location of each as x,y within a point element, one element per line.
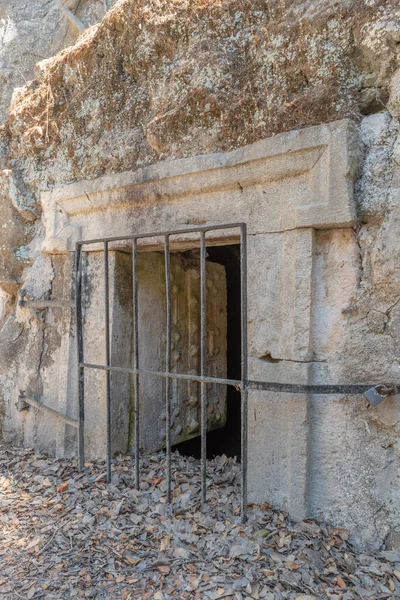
<point>243,384</point>
<point>136,371</point>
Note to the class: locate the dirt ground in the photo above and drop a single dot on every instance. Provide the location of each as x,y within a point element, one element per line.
<point>67,534</point>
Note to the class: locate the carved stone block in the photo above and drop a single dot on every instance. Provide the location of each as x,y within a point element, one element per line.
<point>185,356</point>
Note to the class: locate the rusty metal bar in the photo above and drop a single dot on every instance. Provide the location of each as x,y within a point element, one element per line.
<point>108,358</point>
<point>29,401</point>
<point>203,361</point>
<point>79,343</point>
<point>348,389</point>
<point>168,367</point>
<point>244,369</point>
<point>136,360</point>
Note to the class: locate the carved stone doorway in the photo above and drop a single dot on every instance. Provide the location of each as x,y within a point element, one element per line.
<point>287,189</point>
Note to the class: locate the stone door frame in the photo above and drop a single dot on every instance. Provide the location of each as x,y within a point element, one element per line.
<point>284,188</point>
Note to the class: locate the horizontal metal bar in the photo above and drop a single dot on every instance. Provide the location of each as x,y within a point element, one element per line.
<point>161,233</point>
<point>54,413</point>
<point>267,386</point>
<point>299,388</point>
<point>168,375</point>
<point>42,304</point>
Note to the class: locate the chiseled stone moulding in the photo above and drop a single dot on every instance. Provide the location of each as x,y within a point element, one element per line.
<point>297,179</point>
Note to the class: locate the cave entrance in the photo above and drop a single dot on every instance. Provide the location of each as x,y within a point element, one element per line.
<point>222,356</point>
<point>225,440</point>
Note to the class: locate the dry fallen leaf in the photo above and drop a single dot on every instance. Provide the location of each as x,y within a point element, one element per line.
<point>33,543</point>
<point>165,543</point>
<point>114,541</point>
<point>63,487</point>
<point>340,582</point>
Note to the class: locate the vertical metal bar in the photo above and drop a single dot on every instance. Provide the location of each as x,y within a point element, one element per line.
<point>203,360</point>
<point>136,358</point>
<point>168,366</point>
<point>79,341</point>
<point>244,368</point>
<point>107,348</point>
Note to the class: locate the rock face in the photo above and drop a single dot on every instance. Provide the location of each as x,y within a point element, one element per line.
<point>159,81</point>
<point>32,31</point>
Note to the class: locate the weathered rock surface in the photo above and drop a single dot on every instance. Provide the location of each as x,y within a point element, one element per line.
<point>184,80</point>
<point>34,30</point>
<point>163,80</point>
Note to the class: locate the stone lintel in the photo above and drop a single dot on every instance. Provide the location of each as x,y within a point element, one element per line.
<point>297,179</point>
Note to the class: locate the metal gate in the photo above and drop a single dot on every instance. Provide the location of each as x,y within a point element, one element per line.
<point>243,385</point>
<point>168,375</point>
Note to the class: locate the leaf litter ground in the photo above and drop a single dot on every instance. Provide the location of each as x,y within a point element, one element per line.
<point>67,534</point>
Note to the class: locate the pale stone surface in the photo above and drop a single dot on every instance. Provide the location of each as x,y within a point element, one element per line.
<point>280,319</point>
<point>281,265</point>
<point>394,98</point>
<point>279,295</point>
<point>279,438</point>
<point>186,79</point>
<point>185,357</point>
<point>13,236</point>
<point>301,283</point>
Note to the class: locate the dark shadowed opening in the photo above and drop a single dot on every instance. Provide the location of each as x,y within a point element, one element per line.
<point>227,439</point>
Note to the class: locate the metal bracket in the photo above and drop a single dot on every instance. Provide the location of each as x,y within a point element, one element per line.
<point>24,402</point>
<point>43,304</point>
<point>21,404</point>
